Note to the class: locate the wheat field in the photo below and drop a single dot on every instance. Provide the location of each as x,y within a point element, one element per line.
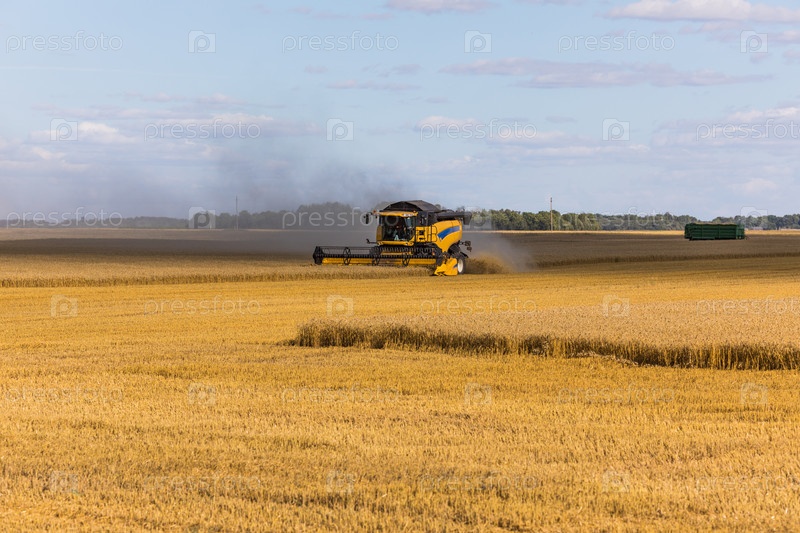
<point>208,389</point>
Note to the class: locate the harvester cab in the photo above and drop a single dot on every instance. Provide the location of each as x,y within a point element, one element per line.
<point>409,233</point>
<point>396,228</point>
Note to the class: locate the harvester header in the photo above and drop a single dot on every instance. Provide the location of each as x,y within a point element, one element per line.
<point>409,233</point>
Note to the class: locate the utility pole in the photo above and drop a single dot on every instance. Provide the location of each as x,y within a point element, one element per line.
<point>551,213</point>
<point>236,226</point>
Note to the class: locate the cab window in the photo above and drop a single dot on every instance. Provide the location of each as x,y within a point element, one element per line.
<point>397,228</point>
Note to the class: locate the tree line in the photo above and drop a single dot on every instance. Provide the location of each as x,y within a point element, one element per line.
<point>506,219</point>
<point>337,216</point>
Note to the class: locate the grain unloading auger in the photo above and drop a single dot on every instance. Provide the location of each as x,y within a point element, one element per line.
<point>410,233</point>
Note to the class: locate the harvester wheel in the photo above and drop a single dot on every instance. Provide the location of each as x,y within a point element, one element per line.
<point>460,265</point>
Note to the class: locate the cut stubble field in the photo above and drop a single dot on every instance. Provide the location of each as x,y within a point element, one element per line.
<point>177,385</point>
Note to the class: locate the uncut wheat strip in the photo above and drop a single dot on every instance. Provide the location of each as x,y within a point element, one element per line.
<point>390,334</point>
<point>294,274</point>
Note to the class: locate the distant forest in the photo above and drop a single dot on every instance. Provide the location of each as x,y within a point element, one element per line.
<point>337,216</point>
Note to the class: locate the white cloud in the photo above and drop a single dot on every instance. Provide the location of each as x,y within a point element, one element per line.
<point>316,69</point>
<point>371,85</point>
<point>439,6</point>
<point>774,132</point>
<point>557,2</point>
<point>412,68</point>
<point>758,185</point>
<point>788,112</point>
<point>97,132</point>
<point>705,10</point>
<point>555,74</point>
<point>121,125</point>
<point>557,119</point>
<point>44,154</point>
<point>520,140</point>
<point>439,120</point>
<point>495,129</point>
<point>731,33</point>
<point>377,16</point>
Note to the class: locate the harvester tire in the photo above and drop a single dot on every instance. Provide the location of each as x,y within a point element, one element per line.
<point>460,265</point>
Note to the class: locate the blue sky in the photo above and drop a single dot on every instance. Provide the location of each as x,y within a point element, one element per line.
<point>142,108</point>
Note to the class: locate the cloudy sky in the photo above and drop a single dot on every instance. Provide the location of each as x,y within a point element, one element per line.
<point>153,108</point>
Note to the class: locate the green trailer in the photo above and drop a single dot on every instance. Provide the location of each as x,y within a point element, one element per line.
<point>711,232</point>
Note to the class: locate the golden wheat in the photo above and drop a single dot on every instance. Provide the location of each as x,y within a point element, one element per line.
<point>181,406</point>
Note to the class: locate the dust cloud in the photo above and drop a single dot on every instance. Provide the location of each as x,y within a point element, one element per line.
<point>493,253</point>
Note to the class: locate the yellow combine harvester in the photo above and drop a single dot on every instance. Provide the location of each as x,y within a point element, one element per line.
<point>409,233</point>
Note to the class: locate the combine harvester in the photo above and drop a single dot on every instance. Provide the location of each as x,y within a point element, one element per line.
<point>414,233</point>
